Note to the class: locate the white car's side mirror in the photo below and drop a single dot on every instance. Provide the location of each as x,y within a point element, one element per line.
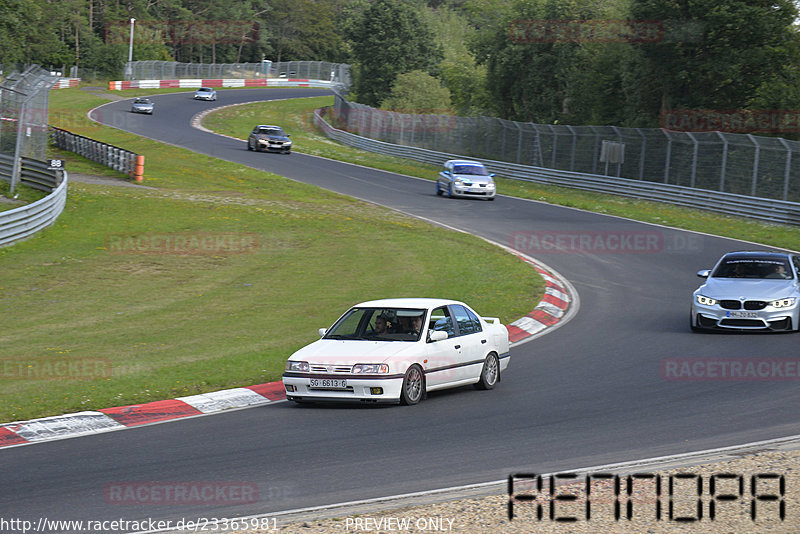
<point>704,273</point>
<point>322,331</point>
<point>437,335</point>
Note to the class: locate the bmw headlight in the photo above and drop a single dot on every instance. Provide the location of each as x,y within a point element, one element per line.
<point>370,368</point>
<point>782,303</point>
<point>705,301</point>
<point>292,365</point>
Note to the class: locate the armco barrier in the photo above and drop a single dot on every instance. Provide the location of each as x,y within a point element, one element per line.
<point>111,156</point>
<point>21,223</point>
<point>777,211</point>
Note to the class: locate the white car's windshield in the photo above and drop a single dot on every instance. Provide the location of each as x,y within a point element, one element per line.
<point>760,268</point>
<point>475,170</point>
<point>379,324</point>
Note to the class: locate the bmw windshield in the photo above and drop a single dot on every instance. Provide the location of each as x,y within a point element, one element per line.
<point>753,268</point>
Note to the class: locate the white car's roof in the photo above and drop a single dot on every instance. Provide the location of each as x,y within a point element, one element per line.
<point>406,303</point>
<point>462,162</point>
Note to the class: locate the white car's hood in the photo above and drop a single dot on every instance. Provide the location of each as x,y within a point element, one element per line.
<point>736,288</point>
<point>473,178</point>
<point>354,351</point>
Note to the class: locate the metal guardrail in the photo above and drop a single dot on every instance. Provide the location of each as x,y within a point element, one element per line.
<point>111,156</point>
<point>34,173</point>
<point>21,223</point>
<point>776,211</point>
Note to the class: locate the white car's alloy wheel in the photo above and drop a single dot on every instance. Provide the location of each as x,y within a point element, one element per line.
<point>490,374</point>
<point>413,386</point>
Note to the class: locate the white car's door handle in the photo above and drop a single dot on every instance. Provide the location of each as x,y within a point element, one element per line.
<point>458,347</point>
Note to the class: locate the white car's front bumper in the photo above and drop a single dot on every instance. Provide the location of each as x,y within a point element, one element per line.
<point>359,388</point>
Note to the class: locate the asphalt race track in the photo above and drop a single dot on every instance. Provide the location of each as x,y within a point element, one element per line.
<point>594,391</point>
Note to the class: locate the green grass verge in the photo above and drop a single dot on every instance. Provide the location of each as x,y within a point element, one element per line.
<point>295,117</point>
<point>139,324</point>
<point>23,193</point>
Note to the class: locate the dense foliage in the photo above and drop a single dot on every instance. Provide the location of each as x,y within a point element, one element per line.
<point>516,59</point>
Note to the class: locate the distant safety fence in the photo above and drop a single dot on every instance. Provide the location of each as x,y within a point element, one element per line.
<point>172,70</point>
<point>739,164</point>
<point>21,223</point>
<point>194,83</point>
<point>24,99</point>
<point>722,202</point>
<point>111,156</point>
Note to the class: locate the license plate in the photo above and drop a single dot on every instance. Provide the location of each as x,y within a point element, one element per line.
<point>328,383</point>
<point>744,314</point>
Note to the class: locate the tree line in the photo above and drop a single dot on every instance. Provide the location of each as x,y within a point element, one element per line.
<point>616,62</point>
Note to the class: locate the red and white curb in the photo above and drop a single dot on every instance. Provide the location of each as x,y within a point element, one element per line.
<point>107,419</point>
<point>560,300</point>
<point>65,83</point>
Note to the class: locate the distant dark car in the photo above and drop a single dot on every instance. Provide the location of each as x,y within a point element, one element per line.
<point>142,105</point>
<point>749,291</point>
<point>269,138</point>
<point>205,93</point>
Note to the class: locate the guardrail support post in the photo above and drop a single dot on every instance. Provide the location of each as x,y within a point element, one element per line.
<point>787,168</point>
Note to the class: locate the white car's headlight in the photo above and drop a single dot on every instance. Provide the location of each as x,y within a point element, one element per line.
<point>458,181</point>
<point>296,366</point>
<point>371,368</point>
<point>706,301</point>
<point>782,303</point>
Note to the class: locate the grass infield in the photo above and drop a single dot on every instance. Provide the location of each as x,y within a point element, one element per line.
<point>211,279</point>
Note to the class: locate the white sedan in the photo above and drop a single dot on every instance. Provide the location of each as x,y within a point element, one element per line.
<point>397,350</point>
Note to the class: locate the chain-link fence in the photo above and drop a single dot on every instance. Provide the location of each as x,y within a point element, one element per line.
<point>24,100</point>
<point>171,70</point>
<point>743,164</point>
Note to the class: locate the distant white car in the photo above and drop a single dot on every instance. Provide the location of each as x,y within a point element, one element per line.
<point>465,178</point>
<point>205,93</point>
<point>397,350</point>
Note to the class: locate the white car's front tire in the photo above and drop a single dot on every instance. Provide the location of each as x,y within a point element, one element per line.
<point>413,386</point>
